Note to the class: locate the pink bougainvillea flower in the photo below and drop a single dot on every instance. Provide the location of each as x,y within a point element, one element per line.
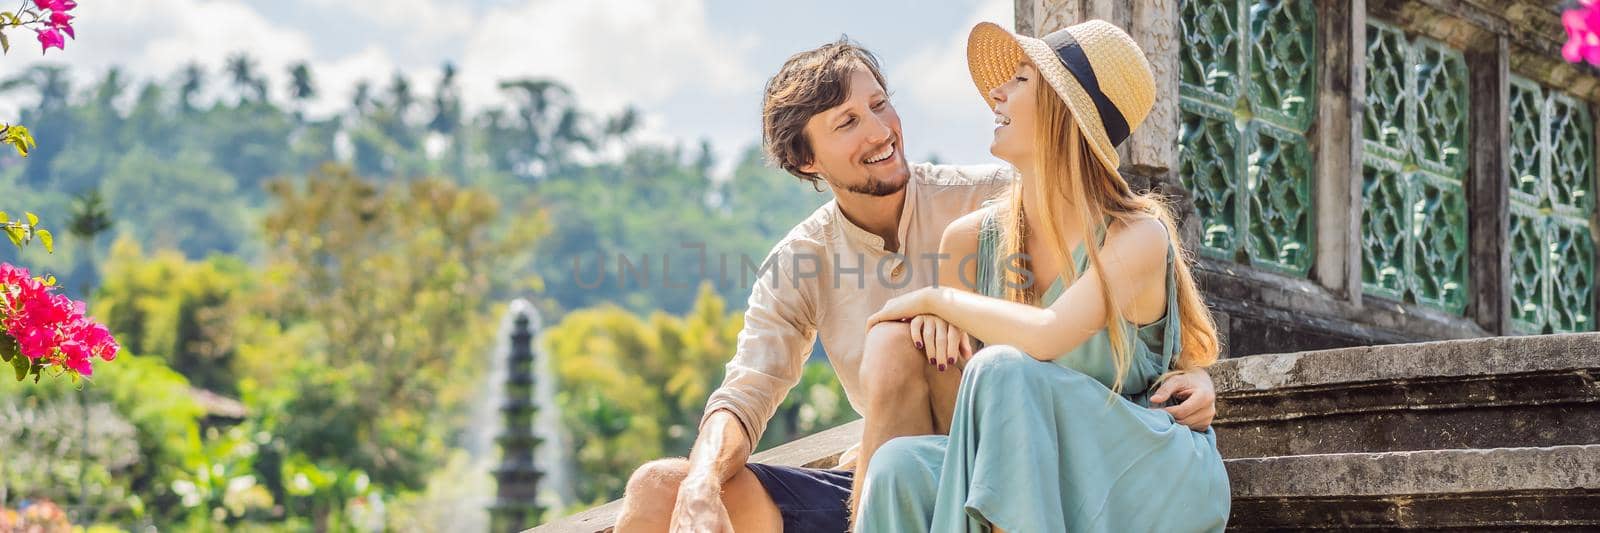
<point>62,22</point>
<point>1573,21</point>
<point>1583,43</point>
<point>50,329</point>
<point>56,5</point>
<point>51,39</point>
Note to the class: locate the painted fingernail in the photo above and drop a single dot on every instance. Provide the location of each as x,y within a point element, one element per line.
<point>931,361</point>
<point>952,361</point>
<point>919,345</point>
<point>941,368</point>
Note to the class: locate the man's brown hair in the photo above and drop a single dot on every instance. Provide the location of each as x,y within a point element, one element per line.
<point>810,82</point>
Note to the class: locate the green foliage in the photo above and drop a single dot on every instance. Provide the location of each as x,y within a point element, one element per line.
<point>179,310</point>
<point>22,232</point>
<point>633,388</point>
<point>394,278</point>
<point>142,435</point>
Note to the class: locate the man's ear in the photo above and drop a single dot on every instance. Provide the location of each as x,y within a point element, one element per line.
<point>811,168</point>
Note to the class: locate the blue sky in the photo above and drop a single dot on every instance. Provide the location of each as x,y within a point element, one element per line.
<point>695,67</point>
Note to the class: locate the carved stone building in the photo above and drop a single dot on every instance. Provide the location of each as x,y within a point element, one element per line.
<point>1358,172</point>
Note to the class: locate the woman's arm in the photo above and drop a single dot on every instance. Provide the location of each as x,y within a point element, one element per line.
<point>946,345</point>
<point>960,241</point>
<point>1134,254</point>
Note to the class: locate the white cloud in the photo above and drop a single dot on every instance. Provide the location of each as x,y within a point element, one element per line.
<point>929,78</point>
<point>432,19</point>
<point>610,52</point>
<point>153,39</point>
<point>944,113</point>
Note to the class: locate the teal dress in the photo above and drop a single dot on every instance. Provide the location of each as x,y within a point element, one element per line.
<point>1040,446</point>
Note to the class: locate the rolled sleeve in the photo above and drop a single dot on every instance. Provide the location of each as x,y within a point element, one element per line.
<point>779,329</point>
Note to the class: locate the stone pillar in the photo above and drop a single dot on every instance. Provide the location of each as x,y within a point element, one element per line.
<point>517,479</point>
<point>1152,151</point>
<point>1339,180</point>
<point>1488,187</point>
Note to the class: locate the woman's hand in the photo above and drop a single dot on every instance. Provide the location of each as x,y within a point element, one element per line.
<point>946,345</point>
<point>904,307</point>
<point>1198,398</point>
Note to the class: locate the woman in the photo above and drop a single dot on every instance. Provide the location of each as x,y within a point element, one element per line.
<point>1050,431</point>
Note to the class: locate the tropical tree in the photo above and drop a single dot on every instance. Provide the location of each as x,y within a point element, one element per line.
<point>242,72</point>
<point>301,88</point>
<point>397,281</point>
<point>191,81</point>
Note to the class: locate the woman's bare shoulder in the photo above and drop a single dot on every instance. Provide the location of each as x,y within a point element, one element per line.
<point>1140,238</point>
<point>964,231</point>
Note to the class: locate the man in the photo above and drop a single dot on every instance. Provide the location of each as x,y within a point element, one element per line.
<point>827,118</point>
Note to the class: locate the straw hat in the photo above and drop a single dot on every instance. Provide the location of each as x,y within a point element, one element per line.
<point>1096,68</point>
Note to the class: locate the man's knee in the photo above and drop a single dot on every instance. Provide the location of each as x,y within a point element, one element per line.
<point>889,362</point>
<point>656,482</point>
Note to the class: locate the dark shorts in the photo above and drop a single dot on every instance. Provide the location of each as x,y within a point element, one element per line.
<point>808,498</point>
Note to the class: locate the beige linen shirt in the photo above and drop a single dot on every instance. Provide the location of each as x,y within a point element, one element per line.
<point>827,276</point>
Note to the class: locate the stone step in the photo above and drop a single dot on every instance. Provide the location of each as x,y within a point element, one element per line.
<point>1499,392</point>
<point>1551,488</point>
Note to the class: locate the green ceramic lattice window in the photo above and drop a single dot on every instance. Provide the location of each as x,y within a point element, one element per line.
<point>1552,197</point>
<point>1248,83</point>
<point>1414,134</point>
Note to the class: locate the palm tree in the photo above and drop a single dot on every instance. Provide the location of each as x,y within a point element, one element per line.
<point>191,81</point>
<point>550,123</point>
<point>242,68</point>
<point>623,124</point>
<point>89,219</point>
<point>362,98</point>
<point>446,103</point>
<point>110,88</point>
<point>301,88</point>
<point>400,97</point>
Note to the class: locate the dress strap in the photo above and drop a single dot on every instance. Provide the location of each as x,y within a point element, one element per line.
<point>987,276</point>
<point>1172,340</point>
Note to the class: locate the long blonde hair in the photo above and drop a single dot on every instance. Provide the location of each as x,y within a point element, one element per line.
<point>1066,170</point>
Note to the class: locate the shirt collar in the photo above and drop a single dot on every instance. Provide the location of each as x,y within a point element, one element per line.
<point>869,240</point>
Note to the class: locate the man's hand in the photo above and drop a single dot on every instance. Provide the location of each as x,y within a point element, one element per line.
<point>1199,398</point>
<point>699,508</point>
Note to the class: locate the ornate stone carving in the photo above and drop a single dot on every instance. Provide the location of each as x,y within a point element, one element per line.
<point>1153,148</point>
<point>1057,14</point>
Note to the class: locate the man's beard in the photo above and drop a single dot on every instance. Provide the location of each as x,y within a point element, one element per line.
<point>877,187</point>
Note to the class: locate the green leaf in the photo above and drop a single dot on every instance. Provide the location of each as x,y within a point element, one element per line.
<point>4,217</point>
<point>8,348</point>
<point>50,280</point>
<point>16,235</point>
<point>33,220</point>
<point>22,365</point>
<point>5,44</point>
<point>47,240</point>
